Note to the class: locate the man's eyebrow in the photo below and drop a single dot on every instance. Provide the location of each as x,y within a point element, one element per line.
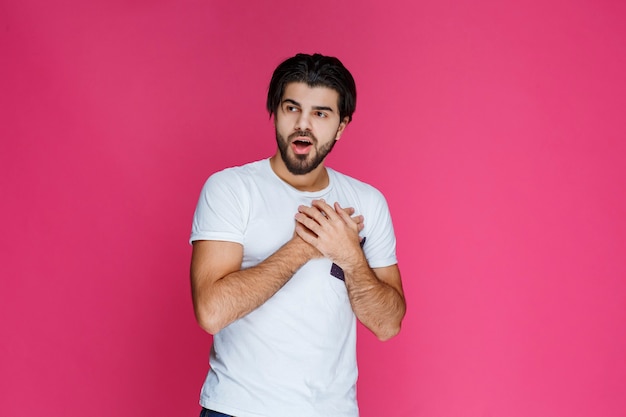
<point>290,101</point>
<point>328,109</point>
<point>295,103</point>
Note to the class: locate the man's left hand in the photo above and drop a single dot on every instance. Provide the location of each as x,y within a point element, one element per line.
<point>330,230</point>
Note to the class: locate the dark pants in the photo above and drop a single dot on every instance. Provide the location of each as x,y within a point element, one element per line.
<point>211,413</point>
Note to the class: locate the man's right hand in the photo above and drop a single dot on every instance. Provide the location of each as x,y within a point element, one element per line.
<point>310,251</point>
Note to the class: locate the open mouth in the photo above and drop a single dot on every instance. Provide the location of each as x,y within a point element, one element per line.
<point>301,145</point>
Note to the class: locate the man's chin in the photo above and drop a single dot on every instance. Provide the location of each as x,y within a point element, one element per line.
<point>299,165</point>
<point>299,170</point>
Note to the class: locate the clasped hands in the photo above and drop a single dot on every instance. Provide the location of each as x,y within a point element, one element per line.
<point>331,230</point>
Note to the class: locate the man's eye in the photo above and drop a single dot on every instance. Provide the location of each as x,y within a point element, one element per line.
<point>320,114</point>
<point>292,108</point>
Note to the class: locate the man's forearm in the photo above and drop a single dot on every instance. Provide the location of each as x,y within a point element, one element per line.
<point>378,305</point>
<point>240,292</point>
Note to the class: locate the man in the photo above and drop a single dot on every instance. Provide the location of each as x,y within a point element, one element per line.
<point>282,267</point>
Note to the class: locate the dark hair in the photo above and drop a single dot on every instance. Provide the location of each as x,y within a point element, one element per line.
<point>316,71</point>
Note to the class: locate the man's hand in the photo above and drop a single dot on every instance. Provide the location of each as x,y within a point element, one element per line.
<point>331,230</point>
<point>307,246</point>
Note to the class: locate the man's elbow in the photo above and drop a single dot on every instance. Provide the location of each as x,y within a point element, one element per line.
<point>208,321</point>
<point>387,333</point>
<point>391,328</point>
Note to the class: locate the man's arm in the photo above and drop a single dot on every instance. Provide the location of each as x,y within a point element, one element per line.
<point>222,292</point>
<point>376,295</point>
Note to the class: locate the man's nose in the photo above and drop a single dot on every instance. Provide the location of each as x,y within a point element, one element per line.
<point>303,122</point>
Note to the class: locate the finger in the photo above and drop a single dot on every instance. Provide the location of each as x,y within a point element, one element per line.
<point>342,213</point>
<point>312,213</point>
<point>359,220</point>
<point>305,233</point>
<point>324,208</point>
<point>308,222</point>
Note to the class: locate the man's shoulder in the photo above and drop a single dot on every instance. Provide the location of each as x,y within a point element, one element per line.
<point>240,172</point>
<point>235,180</point>
<point>344,180</point>
<point>250,168</point>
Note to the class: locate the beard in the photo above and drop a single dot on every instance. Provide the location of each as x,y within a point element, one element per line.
<point>302,164</point>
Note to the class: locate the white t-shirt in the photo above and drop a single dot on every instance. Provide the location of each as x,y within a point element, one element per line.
<point>295,355</point>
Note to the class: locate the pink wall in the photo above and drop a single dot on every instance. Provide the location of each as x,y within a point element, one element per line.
<point>496,130</point>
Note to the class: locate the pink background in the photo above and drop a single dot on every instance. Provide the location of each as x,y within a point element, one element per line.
<point>495,129</point>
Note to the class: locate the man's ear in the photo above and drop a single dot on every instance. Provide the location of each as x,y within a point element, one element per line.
<point>342,127</point>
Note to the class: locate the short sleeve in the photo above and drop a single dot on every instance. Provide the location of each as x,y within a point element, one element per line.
<point>380,243</point>
<point>221,212</point>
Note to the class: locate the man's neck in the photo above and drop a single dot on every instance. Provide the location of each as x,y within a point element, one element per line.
<point>313,181</point>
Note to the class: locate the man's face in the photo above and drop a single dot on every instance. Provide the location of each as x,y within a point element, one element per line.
<point>307,126</point>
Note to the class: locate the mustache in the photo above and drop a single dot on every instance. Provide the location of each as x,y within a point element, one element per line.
<point>301,133</point>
